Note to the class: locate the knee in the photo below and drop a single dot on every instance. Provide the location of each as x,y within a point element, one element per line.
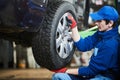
<point>56,76</point>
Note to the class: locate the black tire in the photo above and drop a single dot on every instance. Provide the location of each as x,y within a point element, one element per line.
<point>47,46</point>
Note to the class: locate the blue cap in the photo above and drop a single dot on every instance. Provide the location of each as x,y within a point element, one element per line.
<point>105,13</point>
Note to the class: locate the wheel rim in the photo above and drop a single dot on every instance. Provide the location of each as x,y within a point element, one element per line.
<point>64,42</point>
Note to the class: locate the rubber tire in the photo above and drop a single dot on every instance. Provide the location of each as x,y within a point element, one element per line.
<point>44,50</point>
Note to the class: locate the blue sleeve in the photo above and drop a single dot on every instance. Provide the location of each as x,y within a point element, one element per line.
<point>87,43</point>
<point>105,59</point>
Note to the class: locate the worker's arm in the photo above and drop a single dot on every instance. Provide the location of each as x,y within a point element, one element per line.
<point>73,25</point>
<point>65,70</point>
<point>75,34</point>
<point>72,71</point>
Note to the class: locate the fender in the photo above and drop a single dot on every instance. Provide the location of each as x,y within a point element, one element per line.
<point>3,4</point>
<point>27,15</point>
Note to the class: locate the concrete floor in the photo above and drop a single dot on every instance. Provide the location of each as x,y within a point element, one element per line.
<point>25,74</point>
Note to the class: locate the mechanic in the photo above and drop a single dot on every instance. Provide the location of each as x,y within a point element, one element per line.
<point>103,63</point>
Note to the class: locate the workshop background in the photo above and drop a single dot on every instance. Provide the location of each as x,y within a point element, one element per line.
<point>17,62</point>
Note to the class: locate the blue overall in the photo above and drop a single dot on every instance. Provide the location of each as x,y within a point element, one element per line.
<point>104,61</point>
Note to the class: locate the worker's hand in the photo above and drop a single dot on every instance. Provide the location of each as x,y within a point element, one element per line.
<point>71,21</point>
<point>62,70</point>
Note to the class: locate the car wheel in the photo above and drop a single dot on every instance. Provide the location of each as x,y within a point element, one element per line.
<point>53,46</point>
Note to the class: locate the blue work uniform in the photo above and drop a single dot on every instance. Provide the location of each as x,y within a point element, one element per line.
<point>104,60</point>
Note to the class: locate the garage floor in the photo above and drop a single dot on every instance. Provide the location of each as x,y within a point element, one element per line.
<point>25,74</point>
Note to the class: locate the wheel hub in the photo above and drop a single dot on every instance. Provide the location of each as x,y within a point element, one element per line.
<point>64,42</point>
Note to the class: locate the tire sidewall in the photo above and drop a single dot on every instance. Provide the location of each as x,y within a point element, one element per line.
<point>63,8</point>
